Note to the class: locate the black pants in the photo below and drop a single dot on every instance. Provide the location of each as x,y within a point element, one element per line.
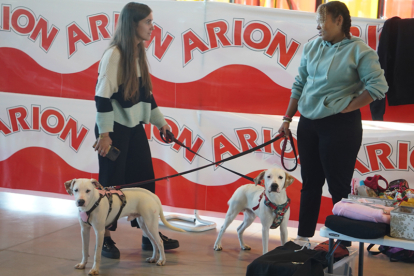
<point>328,148</point>
<point>134,164</point>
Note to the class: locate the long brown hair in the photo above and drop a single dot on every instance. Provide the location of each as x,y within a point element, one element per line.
<point>335,9</point>
<point>124,40</point>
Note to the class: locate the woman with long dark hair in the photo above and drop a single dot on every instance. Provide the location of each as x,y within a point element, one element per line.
<point>124,102</point>
<point>338,74</point>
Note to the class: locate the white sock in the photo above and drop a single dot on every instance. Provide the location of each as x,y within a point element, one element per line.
<point>300,238</point>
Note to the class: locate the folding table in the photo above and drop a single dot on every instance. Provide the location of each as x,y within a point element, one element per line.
<point>386,240</point>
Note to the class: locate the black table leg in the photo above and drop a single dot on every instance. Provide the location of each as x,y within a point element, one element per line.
<point>361,259</point>
<point>331,259</point>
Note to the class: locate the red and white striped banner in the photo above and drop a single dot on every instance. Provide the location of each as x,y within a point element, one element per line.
<point>216,69</point>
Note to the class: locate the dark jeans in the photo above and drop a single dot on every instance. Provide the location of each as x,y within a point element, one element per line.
<point>328,148</point>
<point>134,164</point>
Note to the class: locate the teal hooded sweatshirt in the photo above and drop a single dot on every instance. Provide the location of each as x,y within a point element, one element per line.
<point>330,76</point>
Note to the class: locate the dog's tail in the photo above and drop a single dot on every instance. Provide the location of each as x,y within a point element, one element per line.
<point>161,214</point>
<point>166,223</point>
<point>162,217</point>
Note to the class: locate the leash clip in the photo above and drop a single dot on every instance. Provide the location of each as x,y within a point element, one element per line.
<point>169,137</point>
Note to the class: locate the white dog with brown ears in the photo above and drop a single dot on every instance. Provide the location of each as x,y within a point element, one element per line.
<point>140,204</point>
<point>270,204</point>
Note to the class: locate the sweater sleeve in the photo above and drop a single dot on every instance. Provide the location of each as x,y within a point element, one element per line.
<point>106,86</point>
<point>157,119</point>
<point>371,74</point>
<point>300,79</point>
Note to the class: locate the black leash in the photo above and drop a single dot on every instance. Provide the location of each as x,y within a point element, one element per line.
<point>277,137</point>
<point>170,138</point>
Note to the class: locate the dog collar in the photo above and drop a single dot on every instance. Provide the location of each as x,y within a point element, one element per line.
<point>85,215</point>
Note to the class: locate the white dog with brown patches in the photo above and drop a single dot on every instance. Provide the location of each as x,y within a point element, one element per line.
<point>140,204</point>
<point>270,204</point>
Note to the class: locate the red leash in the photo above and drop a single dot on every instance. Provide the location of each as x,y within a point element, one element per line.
<point>294,152</point>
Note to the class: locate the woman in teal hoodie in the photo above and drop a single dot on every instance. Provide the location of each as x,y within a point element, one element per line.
<point>338,74</point>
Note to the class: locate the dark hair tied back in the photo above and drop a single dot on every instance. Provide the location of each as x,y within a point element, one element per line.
<point>335,9</point>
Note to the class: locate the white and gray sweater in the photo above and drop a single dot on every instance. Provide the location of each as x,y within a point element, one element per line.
<point>110,104</point>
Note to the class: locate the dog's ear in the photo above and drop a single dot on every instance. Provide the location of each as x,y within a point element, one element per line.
<point>259,178</point>
<point>96,184</point>
<point>288,180</point>
<point>69,186</point>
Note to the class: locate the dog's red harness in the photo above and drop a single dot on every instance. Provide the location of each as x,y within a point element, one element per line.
<point>106,192</point>
<point>279,210</point>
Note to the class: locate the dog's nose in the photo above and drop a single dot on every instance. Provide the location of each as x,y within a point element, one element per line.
<point>274,187</point>
<point>81,202</point>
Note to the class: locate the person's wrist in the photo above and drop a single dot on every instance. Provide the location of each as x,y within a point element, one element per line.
<point>286,121</point>
<point>104,135</point>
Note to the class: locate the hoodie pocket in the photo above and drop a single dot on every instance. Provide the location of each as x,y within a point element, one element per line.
<point>337,103</point>
<point>314,105</point>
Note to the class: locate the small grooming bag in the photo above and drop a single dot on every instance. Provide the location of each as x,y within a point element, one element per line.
<point>402,223</point>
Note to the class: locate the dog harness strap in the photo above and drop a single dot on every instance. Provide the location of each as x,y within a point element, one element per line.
<point>258,204</point>
<point>279,211</point>
<point>109,195</point>
<point>104,192</point>
<point>85,215</point>
<point>123,200</point>
<point>110,191</point>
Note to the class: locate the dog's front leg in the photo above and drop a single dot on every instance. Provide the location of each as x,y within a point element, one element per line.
<point>85,231</point>
<point>265,238</point>
<point>283,228</point>
<point>99,233</point>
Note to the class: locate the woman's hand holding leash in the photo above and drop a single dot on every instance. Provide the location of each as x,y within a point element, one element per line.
<point>164,130</point>
<point>285,128</point>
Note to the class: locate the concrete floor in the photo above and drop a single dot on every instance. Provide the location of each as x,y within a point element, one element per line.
<point>40,235</point>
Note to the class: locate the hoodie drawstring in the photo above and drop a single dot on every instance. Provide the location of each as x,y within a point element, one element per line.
<point>317,64</point>
<point>326,77</point>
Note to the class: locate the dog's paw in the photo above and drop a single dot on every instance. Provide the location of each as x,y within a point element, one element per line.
<point>93,271</point>
<point>218,247</point>
<point>150,260</point>
<point>161,262</point>
<point>80,266</point>
<point>246,247</point>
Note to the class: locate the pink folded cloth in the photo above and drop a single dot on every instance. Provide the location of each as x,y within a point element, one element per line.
<point>362,212</point>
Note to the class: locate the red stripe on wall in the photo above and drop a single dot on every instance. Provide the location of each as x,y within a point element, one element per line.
<point>19,73</point>
<point>232,88</point>
<point>38,169</point>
